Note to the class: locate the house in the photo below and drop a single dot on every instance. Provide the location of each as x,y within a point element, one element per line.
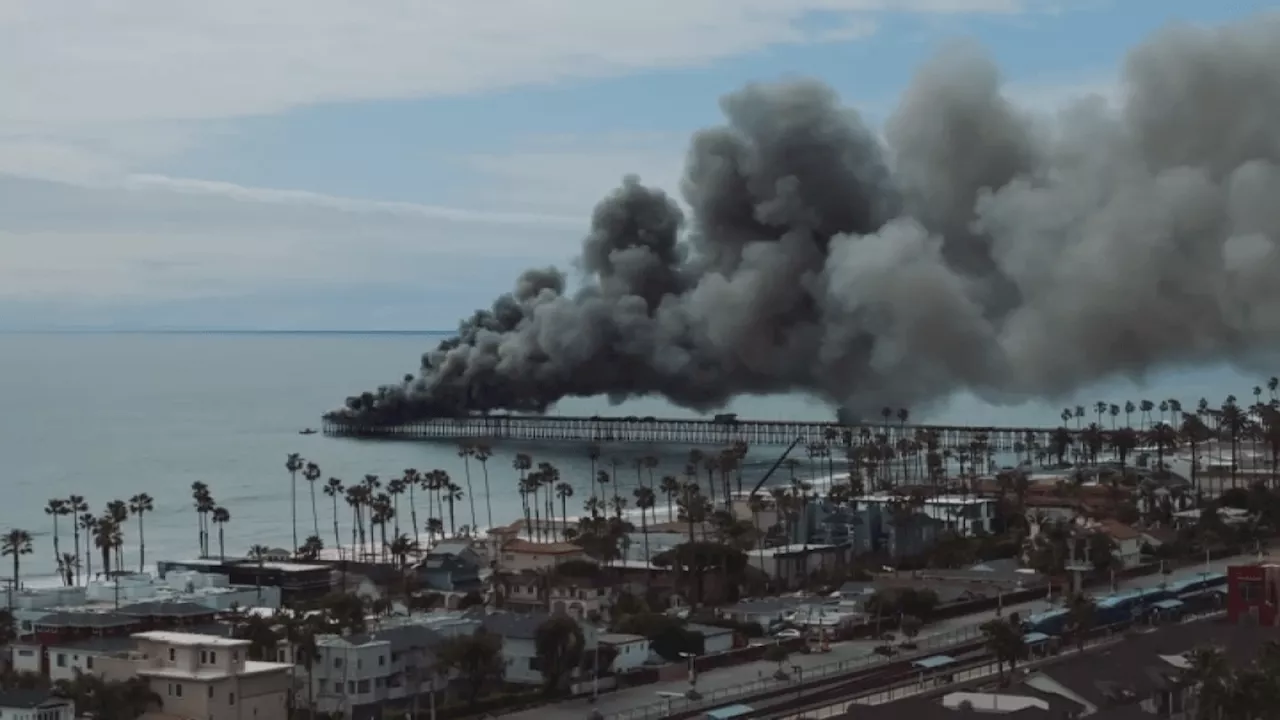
<point>632,651</point>
<point>519,653</point>
<point>522,555</point>
<point>1128,540</point>
<point>35,705</point>
<point>452,566</point>
<point>62,660</point>
<point>714,639</point>
<point>366,674</point>
<point>202,676</point>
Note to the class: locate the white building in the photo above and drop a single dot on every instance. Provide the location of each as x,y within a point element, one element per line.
<point>358,674</point>
<point>632,650</point>
<point>714,639</point>
<point>35,705</point>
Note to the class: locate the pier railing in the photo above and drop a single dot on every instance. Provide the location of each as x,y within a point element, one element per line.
<point>688,431</point>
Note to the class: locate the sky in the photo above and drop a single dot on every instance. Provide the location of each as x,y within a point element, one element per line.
<point>389,165</point>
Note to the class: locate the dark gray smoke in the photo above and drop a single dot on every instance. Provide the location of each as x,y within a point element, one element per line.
<point>981,248</point>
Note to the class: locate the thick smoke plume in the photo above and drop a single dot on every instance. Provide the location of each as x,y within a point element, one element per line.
<point>977,247</point>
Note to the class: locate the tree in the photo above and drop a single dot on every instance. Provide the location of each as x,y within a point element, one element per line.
<point>476,660</point>
<point>140,505</point>
<point>560,646</point>
<point>16,543</point>
<point>334,489</point>
<point>482,455</point>
<point>75,505</point>
<point>910,626</point>
<point>311,473</point>
<point>56,508</point>
<point>221,516</point>
<point>466,452</point>
<point>293,463</point>
<point>1004,641</point>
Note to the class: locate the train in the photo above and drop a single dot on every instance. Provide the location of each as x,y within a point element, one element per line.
<point>1196,594</point>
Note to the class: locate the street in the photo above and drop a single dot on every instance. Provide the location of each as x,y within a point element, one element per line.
<point>943,632</point>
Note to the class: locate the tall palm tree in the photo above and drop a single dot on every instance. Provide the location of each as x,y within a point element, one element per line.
<point>354,497</point>
<point>602,479</point>
<point>564,491</point>
<point>482,455</point>
<point>522,463</point>
<point>70,565</point>
<point>199,496</point>
<point>140,505</point>
<point>411,480</point>
<point>76,505</point>
<point>395,488</point>
<point>311,473</point>
<point>382,514</point>
<point>670,487</point>
<point>368,498</point>
<point>293,463</point>
<point>645,500</point>
<point>451,494</point>
<point>220,517</point>
<point>56,508</point>
<point>119,512</point>
<point>16,543</point>
<point>333,488</point>
<point>88,522</point>
<point>466,452</point>
<point>107,538</point>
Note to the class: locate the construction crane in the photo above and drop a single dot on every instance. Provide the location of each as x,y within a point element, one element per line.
<point>781,458</point>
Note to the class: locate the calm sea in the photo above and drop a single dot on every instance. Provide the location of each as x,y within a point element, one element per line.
<point>111,415</point>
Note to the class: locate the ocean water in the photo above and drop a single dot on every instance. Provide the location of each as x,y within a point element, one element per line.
<point>111,415</point>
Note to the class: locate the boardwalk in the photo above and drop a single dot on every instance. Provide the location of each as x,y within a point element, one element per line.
<point>650,430</point>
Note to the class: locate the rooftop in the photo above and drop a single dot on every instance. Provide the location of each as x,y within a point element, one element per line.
<point>187,639</point>
<point>620,638</point>
<point>18,699</point>
<point>552,548</point>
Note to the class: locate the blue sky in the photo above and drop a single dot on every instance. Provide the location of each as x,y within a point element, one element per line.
<point>334,164</point>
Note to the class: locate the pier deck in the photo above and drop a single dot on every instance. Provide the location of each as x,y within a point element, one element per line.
<point>688,431</point>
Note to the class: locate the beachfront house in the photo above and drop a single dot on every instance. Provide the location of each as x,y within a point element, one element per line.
<point>519,653</point>
<point>523,555</point>
<point>368,674</point>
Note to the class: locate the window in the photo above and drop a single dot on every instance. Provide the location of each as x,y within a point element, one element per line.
<point>213,657</point>
<point>377,682</point>
<point>363,687</point>
<point>337,662</point>
<point>62,660</point>
<point>88,662</point>
<point>173,654</point>
<point>26,653</point>
<point>382,660</point>
<point>210,691</point>
<point>351,687</point>
<point>231,698</point>
<point>359,663</point>
<point>177,690</point>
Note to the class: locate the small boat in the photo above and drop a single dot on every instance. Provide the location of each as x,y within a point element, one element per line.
<point>308,431</point>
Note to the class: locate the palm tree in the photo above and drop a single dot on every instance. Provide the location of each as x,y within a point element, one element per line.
<point>56,508</point>
<point>140,505</point>
<point>466,452</point>
<point>259,553</point>
<point>522,464</point>
<point>451,494</point>
<point>411,479</point>
<point>333,488</point>
<point>221,516</point>
<point>602,479</point>
<point>107,538</point>
<point>76,504</point>
<point>293,463</point>
<point>395,488</point>
<point>311,473</point>
<point>482,455</point>
<point>16,543</point>
<point>70,566</point>
<point>670,487</point>
<point>119,512</point>
<point>371,485</point>
<point>401,548</point>
<point>354,498</point>
<point>564,491</point>
<point>89,523</point>
<point>311,548</point>
<point>645,500</point>
<point>200,497</point>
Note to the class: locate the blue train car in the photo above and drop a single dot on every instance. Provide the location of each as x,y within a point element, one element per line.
<point>1050,622</point>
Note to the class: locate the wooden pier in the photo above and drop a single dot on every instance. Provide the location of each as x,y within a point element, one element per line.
<point>690,432</point>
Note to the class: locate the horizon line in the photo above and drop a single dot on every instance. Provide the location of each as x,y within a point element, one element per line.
<point>209,331</point>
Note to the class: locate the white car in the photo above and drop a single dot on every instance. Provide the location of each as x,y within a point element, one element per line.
<point>787,634</point>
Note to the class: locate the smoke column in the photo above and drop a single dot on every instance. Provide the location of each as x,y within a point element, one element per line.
<point>979,247</point>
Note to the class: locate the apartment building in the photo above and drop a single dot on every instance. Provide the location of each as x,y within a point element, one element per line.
<point>203,676</point>
<point>362,675</point>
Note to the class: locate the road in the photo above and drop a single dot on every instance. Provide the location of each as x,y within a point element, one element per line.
<point>939,633</point>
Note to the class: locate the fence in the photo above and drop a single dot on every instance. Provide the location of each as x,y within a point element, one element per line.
<point>716,697</point>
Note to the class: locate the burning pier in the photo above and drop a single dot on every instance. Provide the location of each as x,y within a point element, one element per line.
<point>722,430</point>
